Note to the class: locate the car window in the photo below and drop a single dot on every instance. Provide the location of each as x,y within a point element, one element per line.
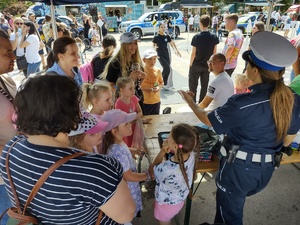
<point>148,18</point>
<point>174,15</point>
<point>253,18</point>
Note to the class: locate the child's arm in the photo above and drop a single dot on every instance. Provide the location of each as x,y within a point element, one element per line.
<point>159,158</point>
<point>135,177</point>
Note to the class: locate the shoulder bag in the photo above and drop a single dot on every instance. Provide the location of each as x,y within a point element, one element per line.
<point>16,215</point>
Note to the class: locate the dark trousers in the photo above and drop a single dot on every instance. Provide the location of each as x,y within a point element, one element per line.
<point>230,71</point>
<point>164,61</point>
<point>235,182</point>
<point>151,109</point>
<point>195,73</point>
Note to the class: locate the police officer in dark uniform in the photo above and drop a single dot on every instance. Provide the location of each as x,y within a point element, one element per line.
<point>256,124</point>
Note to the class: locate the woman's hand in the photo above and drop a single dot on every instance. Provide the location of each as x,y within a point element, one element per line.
<point>147,120</point>
<point>178,53</point>
<point>187,96</point>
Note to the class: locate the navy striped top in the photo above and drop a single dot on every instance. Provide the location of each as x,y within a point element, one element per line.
<point>73,193</point>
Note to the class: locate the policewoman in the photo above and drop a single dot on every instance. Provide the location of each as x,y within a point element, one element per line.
<point>256,124</point>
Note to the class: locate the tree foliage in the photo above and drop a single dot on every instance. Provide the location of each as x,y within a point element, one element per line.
<point>14,7</point>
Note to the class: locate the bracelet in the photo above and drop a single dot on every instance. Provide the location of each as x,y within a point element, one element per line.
<point>148,175</point>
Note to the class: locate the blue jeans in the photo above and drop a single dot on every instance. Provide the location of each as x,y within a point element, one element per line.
<point>5,203</point>
<point>33,68</point>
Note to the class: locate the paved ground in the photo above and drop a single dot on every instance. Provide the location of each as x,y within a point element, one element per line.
<point>278,204</point>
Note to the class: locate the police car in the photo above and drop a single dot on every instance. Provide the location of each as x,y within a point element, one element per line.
<point>144,26</point>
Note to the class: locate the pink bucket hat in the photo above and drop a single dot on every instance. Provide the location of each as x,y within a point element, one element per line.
<point>115,117</point>
<point>88,125</point>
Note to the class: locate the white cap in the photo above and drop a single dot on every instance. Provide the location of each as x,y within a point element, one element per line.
<point>149,53</point>
<point>270,51</point>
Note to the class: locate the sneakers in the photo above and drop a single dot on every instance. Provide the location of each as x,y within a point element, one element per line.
<point>167,88</point>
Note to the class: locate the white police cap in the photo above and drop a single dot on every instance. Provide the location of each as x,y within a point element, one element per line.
<point>270,51</point>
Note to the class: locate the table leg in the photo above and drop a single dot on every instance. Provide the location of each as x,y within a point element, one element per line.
<point>188,205</point>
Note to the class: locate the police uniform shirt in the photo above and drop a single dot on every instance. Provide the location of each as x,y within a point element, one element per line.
<point>248,121</point>
<point>162,41</point>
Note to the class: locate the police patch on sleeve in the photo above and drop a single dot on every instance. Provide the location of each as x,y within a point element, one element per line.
<point>211,89</point>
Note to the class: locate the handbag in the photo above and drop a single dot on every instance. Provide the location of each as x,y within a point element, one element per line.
<point>22,63</point>
<point>87,72</point>
<point>16,215</point>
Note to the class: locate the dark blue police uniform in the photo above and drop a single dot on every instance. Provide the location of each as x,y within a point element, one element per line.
<point>248,121</point>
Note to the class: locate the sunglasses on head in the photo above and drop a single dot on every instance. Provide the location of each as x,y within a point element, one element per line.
<point>17,23</point>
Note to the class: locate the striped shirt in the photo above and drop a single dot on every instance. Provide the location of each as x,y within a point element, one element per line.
<point>73,193</point>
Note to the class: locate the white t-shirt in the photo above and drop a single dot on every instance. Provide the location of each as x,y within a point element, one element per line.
<point>32,50</point>
<point>220,89</point>
<point>19,51</point>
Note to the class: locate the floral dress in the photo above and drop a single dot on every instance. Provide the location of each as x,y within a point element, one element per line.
<point>171,187</point>
<point>123,155</point>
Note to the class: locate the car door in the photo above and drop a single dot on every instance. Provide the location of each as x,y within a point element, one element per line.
<point>147,25</point>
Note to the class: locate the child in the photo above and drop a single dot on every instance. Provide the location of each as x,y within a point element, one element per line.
<point>88,134</point>
<point>241,84</point>
<point>152,84</point>
<point>97,98</point>
<point>118,127</point>
<point>93,35</point>
<point>174,177</point>
<point>127,102</point>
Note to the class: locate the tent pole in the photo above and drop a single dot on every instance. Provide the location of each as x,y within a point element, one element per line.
<point>54,28</point>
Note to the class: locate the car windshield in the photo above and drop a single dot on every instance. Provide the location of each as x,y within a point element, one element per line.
<point>143,17</point>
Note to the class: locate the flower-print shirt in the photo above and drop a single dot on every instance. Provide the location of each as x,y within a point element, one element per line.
<point>171,187</point>
<point>123,155</point>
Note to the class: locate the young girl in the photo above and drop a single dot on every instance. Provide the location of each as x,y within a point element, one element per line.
<point>88,134</point>
<point>97,98</point>
<point>241,84</point>
<point>127,102</point>
<point>174,177</point>
<point>119,126</point>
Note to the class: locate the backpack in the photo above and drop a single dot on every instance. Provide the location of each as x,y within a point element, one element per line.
<point>87,72</point>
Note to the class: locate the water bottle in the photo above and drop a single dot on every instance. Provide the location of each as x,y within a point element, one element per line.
<point>19,32</point>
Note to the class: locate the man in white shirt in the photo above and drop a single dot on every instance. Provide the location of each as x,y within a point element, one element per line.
<point>221,88</point>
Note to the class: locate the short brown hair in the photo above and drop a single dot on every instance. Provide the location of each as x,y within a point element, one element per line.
<point>233,17</point>
<point>204,20</point>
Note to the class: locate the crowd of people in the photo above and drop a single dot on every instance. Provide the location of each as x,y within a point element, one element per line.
<point>58,114</point>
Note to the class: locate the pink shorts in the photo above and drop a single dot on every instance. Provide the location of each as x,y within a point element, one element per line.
<point>166,212</point>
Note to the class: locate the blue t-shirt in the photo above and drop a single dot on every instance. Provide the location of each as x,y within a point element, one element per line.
<point>73,193</point>
<point>248,121</point>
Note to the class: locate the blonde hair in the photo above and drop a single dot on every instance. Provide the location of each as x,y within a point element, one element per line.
<point>281,95</point>
<point>121,83</point>
<point>92,91</point>
<point>17,19</point>
<point>121,56</point>
<point>239,78</point>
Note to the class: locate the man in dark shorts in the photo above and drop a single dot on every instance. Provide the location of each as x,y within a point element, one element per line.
<point>204,45</point>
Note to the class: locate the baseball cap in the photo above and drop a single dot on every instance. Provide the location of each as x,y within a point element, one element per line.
<point>88,125</point>
<point>115,117</point>
<point>128,37</point>
<point>264,51</point>
<point>149,53</point>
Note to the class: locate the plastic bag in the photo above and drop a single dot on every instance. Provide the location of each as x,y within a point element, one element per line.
<point>138,135</point>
